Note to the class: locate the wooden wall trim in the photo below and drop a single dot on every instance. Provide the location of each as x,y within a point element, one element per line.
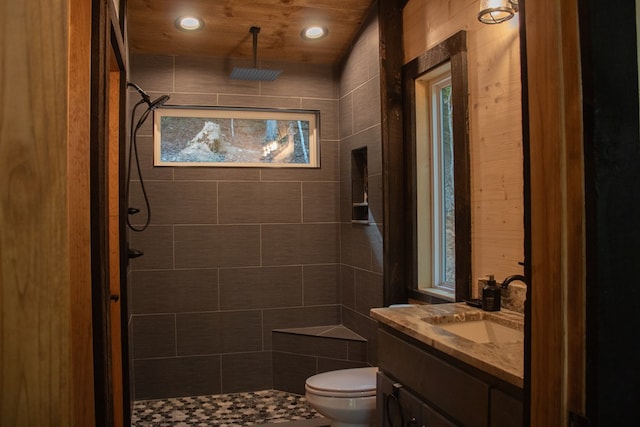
<point>391,60</point>
<point>79,210</point>
<point>557,210</point>
<point>101,35</point>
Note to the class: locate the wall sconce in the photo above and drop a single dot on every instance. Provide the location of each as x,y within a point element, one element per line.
<point>497,11</point>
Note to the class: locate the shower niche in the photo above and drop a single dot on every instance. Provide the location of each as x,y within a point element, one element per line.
<point>359,187</point>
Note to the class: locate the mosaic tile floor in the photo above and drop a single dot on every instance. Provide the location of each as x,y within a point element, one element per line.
<point>225,410</point>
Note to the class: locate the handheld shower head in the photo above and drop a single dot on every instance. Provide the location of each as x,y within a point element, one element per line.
<point>158,102</point>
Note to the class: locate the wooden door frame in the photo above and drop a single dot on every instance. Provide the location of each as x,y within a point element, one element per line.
<point>555,360</point>
<point>117,227</point>
<point>108,51</point>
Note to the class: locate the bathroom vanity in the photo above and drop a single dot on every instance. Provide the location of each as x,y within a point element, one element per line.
<point>449,365</point>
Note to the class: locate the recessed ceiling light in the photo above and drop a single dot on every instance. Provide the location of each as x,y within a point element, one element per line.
<point>189,23</point>
<point>314,33</point>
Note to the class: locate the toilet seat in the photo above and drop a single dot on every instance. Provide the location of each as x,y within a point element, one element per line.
<point>357,382</point>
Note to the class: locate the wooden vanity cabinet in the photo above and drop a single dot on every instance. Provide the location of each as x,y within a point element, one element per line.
<point>400,407</point>
<point>446,391</point>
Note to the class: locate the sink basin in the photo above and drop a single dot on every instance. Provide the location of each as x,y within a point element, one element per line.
<point>483,331</point>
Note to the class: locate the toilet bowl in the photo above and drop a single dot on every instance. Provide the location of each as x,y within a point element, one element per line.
<point>346,397</point>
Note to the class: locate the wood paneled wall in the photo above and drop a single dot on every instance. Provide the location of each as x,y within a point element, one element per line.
<point>495,125</point>
<point>45,306</point>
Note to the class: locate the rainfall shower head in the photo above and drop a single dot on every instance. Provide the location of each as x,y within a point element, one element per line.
<point>255,73</point>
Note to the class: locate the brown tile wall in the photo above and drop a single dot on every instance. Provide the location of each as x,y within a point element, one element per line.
<point>361,245</point>
<point>233,253</point>
<point>297,357</point>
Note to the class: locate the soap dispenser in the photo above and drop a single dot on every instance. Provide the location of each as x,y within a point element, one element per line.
<point>491,295</point>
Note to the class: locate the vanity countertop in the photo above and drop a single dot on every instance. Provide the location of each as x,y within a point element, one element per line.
<point>504,361</point>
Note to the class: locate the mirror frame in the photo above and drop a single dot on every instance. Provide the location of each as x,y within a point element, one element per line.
<point>453,49</point>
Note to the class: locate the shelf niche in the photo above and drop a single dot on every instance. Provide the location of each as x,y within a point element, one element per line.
<point>359,187</point>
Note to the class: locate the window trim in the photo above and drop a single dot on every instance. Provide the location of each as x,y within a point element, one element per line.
<point>452,49</point>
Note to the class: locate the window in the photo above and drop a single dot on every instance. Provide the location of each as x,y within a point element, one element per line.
<point>438,177</point>
<point>435,183</point>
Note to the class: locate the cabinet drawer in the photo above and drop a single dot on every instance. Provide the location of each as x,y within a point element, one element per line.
<point>506,411</point>
<point>399,407</point>
<point>463,397</point>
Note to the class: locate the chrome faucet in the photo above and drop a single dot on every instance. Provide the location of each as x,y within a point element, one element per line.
<point>513,278</point>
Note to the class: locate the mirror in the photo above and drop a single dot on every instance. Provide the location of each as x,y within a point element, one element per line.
<point>496,234</point>
<point>438,178</point>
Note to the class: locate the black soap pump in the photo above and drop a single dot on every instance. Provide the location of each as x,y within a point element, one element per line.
<point>491,295</point>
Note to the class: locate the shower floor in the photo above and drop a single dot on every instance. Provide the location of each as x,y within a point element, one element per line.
<point>226,410</point>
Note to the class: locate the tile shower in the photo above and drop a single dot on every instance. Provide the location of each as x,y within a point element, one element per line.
<point>234,253</point>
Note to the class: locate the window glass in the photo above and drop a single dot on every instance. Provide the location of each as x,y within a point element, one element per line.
<point>434,163</point>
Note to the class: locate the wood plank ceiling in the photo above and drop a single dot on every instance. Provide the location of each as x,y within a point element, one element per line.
<point>151,28</point>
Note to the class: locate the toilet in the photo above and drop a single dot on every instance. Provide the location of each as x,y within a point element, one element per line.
<point>347,397</point>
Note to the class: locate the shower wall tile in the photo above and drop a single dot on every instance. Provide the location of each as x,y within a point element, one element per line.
<point>346,115</point>
<point>263,287</point>
<point>320,284</point>
<point>182,202</point>
<point>145,155</point>
<point>177,376</point>
<point>326,365</point>
<point>157,244</point>
<point>299,244</point>
<point>357,351</point>
<point>320,201</point>
<point>364,326</point>
<point>217,246</point>
<point>260,101</point>
<point>174,291</point>
<point>356,245</point>
<point>216,174</point>
<point>260,202</point>
<point>194,99</point>
<point>154,335</point>
<point>347,286</point>
<point>375,232</point>
<point>269,235</point>
<point>329,129</point>
<point>210,75</point>
<point>247,372</point>
<point>355,69</point>
<point>367,100</point>
<point>301,80</point>
<point>145,128</point>
<point>368,291</point>
<point>372,34</point>
<point>152,73</point>
<point>346,203</point>
<point>218,332</point>
<point>376,203</point>
<point>290,371</point>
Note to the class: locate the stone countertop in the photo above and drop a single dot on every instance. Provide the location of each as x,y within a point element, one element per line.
<point>504,360</point>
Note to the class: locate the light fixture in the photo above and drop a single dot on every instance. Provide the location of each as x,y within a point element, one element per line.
<point>189,23</point>
<point>497,11</point>
<point>314,33</point>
